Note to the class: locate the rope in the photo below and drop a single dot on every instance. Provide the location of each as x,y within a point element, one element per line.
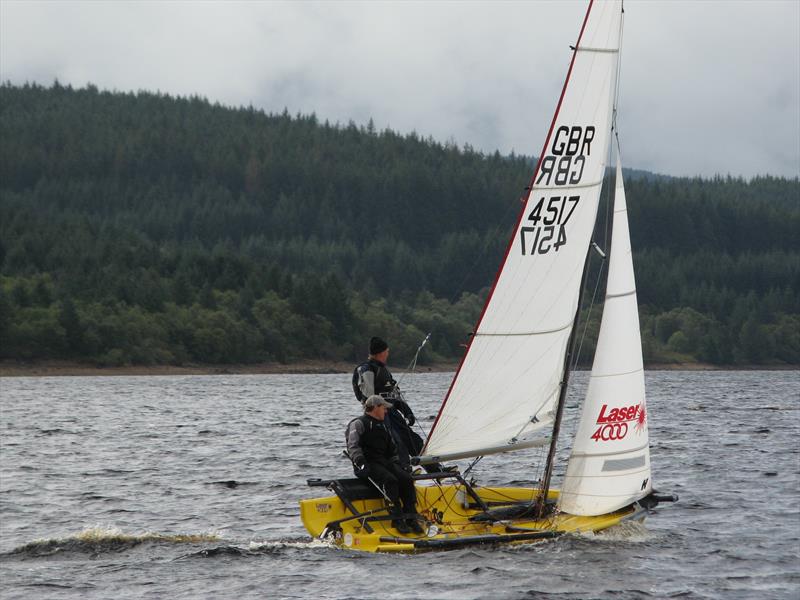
<point>412,366</point>
<point>471,466</point>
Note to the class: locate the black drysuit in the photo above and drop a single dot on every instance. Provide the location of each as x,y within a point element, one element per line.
<point>372,377</point>
<point>370,444</point>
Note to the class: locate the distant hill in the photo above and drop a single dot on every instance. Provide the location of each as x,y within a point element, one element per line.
<point>147,229</point>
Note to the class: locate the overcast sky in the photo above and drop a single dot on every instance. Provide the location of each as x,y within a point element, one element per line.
<point>707,87</point>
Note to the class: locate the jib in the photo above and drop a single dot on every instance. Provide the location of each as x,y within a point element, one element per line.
<point>627,413</point>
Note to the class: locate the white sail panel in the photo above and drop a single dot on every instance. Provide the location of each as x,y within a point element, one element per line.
<point>509,381</point>
<point>609,466</point>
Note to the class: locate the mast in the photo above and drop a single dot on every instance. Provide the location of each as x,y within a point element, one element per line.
<point>541,501</point>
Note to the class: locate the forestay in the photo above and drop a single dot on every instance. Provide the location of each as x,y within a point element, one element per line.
<point>610,462</point>
<point>508,383</point>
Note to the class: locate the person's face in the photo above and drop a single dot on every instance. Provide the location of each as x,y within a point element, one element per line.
<point>383,356</point>
<point>379,412</point>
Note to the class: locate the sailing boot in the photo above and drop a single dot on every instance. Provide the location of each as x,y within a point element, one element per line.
<point>414,524</point>
<point>398,522</point>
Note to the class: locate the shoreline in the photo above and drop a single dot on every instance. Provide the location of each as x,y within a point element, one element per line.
<point>306,367</point>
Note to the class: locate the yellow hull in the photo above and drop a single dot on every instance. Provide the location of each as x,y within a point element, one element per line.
<point>447,513</point>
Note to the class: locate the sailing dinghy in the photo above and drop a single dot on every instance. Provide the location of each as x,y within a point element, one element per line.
<point>509,392</point>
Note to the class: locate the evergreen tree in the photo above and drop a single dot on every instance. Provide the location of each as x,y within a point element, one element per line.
<point>174,230</point>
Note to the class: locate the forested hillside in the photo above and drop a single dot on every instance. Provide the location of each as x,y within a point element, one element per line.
<point>146,229</point>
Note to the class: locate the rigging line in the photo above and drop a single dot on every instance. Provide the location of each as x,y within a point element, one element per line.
<point>471,466</point>
<point>496,491</point>
<point>607,188</point>
<point>413,364</point>
<point>438,484</point>
<point>537,469</point>
<point>575,422</point>
<point>606,234</point>
<point>412,369</point>
<point>562,396</point>
<point>448,504</point>
<point>619,71</point>
<point>615,111</point>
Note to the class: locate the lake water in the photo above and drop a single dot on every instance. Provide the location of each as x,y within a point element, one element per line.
<point>186,487</point>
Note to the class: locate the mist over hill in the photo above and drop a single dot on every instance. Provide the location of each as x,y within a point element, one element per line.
<point>147,229</point>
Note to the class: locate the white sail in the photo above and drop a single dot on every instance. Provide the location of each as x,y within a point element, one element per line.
<point>610,462</point>
<point>509,381</point>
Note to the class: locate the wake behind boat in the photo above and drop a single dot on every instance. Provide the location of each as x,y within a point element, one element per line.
<point>510,389</point>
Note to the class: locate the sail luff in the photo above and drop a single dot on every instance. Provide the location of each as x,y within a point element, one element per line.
<point>520,216</point>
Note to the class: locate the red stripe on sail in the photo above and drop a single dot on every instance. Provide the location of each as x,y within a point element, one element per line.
<point>519,219</point>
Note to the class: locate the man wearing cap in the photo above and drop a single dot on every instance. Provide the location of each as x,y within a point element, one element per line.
<point>374,454</point>
<point>372,377</point>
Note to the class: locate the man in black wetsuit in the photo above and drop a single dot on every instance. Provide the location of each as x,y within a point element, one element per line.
<point>372,377</point>
<point>374,454</point>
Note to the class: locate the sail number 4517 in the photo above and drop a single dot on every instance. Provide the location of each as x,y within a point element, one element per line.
<point>548,220</point>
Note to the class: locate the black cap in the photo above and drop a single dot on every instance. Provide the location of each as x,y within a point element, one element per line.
<point>377,345</point>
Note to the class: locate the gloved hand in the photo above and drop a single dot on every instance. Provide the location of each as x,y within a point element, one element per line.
<point>411,419</point>
<point>362,468</point>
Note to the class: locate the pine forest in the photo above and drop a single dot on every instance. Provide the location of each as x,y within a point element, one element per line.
<point>145,229</point>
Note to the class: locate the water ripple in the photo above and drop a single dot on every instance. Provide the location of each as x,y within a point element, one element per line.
<point>151,458</point>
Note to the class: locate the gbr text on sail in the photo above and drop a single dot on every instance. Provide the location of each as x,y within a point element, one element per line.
<point>545,228</point>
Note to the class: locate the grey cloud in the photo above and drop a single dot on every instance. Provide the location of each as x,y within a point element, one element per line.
<point>707,87</point>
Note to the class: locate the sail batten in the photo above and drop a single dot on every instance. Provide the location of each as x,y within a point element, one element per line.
<point>561,187</point>
<point>602,454</point>
<point>620,295</point>
<point>617,374</point>
<point>599,50</point>
<point>514,333</point>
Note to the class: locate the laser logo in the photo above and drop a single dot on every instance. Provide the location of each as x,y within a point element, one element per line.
<point>613,424</point>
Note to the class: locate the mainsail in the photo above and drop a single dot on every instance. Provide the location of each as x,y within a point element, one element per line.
<point>610,462</point>
<point>509,381</point>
